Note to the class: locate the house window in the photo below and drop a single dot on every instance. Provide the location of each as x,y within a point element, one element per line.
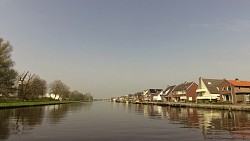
<point>223,88</point>
<point>229,88</point>
<point>247,97</point>
<point>199,94</point>
<point>209,83</point>
<point>180,92</point>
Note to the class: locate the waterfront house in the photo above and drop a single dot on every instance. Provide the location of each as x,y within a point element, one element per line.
<point>208,89</point>
<point>138,97</point>
<point>129,97</point>
<point>150,93</point>
<point>235,91</point>
<point>157,96</point>
<point>121,99</point>
<point>167,95</point>
<point>185,92</point>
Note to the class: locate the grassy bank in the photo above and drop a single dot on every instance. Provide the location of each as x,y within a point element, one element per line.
<point>18,104</point>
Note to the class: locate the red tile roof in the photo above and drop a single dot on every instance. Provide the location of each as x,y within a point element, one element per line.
<point>239,83</point>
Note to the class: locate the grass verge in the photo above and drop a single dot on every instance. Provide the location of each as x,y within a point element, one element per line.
<point>17,104</point>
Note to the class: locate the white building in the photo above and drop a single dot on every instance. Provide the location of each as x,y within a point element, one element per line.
<point>208,89</point>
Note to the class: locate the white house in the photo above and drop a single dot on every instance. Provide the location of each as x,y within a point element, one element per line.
<point>157,97</point>
<point>52,96</point>
<point>208,89</point>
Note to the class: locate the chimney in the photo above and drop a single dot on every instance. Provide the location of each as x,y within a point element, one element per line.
<point>237,79</point>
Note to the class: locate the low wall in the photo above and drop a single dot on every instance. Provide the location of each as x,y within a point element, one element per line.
<point>195,105</point>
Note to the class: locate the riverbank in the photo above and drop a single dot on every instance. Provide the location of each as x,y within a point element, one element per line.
<point>20,104</point>
<point>239,107</point>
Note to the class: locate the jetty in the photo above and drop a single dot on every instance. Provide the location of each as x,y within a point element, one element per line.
<point>239,107</point>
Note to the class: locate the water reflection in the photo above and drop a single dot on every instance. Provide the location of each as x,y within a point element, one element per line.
<point>22,120</point>
<point>214,124</point>
<point>112,121</point>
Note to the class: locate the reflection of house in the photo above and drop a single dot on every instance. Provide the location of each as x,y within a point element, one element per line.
<point>167,95</point>
<point>208,117</point>
<point>208,89</point>
<point>235,91</point>
<point>185,92</point>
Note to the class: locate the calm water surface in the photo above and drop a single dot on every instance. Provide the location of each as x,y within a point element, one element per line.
<point>107,121</point>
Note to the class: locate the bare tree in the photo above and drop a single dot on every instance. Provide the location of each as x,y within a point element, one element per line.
<point>59,89</point>
<point>38,87</point>
<point>24,86</point>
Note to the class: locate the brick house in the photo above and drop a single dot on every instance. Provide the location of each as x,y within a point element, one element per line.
<point>185,92</point>
<point>235,91</point>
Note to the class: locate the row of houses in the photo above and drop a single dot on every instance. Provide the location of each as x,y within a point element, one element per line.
<point>223,90</point>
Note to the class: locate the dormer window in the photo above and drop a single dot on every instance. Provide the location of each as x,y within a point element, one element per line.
<point>223,88</point>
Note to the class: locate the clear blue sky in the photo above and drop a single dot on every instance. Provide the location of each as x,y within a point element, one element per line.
<point>116,47</point>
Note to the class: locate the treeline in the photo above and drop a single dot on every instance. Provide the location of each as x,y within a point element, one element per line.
<point>28,86</point>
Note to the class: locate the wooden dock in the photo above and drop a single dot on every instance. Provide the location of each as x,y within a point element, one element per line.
<point>239,107</point>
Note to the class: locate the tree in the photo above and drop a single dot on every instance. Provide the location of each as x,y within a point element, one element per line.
<point>7,72</point>
<point>87,97</point>
<point>31,86</point>
<point>38,87</point>
<point>59,89</point>
<point>76,96</point>
<point>24,85</point>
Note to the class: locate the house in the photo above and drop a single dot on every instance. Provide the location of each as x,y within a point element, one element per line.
<point>167,95</point>
<point>235,91</point>
<point>53,96</point>
<point>157,96</point>
<point>150,93</point>
<point>112,99</point>
<point>121,99</point>
<point>138,97</point>
<point>208,89</point>
<point>185,92</point>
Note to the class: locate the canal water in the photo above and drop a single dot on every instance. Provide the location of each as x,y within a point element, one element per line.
<point>107,121</point>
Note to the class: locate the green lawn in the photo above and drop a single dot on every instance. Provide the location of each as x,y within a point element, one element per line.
<point>14,104</point>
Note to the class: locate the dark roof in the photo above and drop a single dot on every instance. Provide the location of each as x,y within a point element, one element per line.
<point>154,90</point>
<point>183,86</point>
<point>212,85</point>
<point>169,89</point>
